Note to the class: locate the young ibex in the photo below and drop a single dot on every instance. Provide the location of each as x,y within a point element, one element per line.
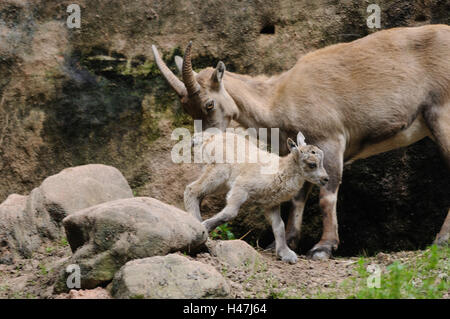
<point>353,100</point>
<point>247,182</point>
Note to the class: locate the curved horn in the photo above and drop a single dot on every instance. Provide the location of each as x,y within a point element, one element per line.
<point>189,80</point>
<point>174,82</point>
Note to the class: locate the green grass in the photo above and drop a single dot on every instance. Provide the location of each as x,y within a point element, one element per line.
<point>223,232</point>
<point>425,276</point>
<point>43,270</point>
<point>64,242</point>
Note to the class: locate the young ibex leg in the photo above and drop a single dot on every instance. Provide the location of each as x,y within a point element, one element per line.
<point>294,224</point>
<point>281,246</point>
<point>235,198</point>
<point>293,228</point>
<point>437,118</point>
<point>206,184</point>
<point>333,163</point>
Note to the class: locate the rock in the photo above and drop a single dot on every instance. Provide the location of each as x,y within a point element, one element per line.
<point>106,236</point>
<point>234,252</point>
<point>74,189</point>
<point>171,276</point>
<point>25,221</point>
<point>18,233</point>
<point>6,259</point>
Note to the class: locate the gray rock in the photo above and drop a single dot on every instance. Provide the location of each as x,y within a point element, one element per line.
<point>234,252</point>
<point>25,221</point>
<point>171,276</point>
<point>74,189</point>
<point>18,233</point>
<point>105,237</point>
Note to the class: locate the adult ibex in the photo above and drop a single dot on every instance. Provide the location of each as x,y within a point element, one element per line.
<point>353,100</point>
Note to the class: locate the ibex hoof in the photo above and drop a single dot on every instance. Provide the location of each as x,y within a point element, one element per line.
<point>442,240</point>
<point>319,253</point>
<point>288,256</point>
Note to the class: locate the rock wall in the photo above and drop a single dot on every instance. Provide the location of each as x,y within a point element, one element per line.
<point>94,95</point>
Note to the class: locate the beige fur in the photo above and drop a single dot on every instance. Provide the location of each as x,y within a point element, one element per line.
<point>353,100</point>
<point>246,181</point>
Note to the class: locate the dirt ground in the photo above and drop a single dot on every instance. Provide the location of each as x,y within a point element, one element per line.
<point>269,278</point>
<point>33,278</point>
<point>273,278</point>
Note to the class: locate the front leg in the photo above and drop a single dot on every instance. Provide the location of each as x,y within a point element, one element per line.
<point>281,246</point>
<point>333,163</point>
<point>293,228</point>
<point>235,198</point>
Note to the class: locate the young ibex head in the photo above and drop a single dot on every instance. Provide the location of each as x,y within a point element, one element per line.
<point>203,95</point>
<point>309,159</point>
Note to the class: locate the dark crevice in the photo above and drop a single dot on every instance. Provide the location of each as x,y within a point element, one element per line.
<point>268,29</point>
<point>421,18</point>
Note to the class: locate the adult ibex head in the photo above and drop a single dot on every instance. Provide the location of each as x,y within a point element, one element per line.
<point>203,95</point>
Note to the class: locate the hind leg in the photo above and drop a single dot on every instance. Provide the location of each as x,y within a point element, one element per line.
<point>443,238</point>
<point>438,121</point>
<point>294,225</point>
<point>235,198</point>
<point>209,182</point>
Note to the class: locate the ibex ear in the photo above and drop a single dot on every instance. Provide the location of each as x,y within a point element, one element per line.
<point>219,72</point>
<point>179,63</point>
<point>300,139</point>
<point>291,145</point>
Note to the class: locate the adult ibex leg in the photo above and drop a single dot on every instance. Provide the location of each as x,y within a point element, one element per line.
<point>333,163</point>
<point>437,118</point>
<point>294,224</point>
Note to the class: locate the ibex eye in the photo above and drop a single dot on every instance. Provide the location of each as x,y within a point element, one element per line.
<point>210,105</point>
<point>312,165</point>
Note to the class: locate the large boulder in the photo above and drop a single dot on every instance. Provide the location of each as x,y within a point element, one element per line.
<point>25,221</point>
<point>74,189</point>
<point>171,276</point>
<point>18,234</point>
<point>106,236</point>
